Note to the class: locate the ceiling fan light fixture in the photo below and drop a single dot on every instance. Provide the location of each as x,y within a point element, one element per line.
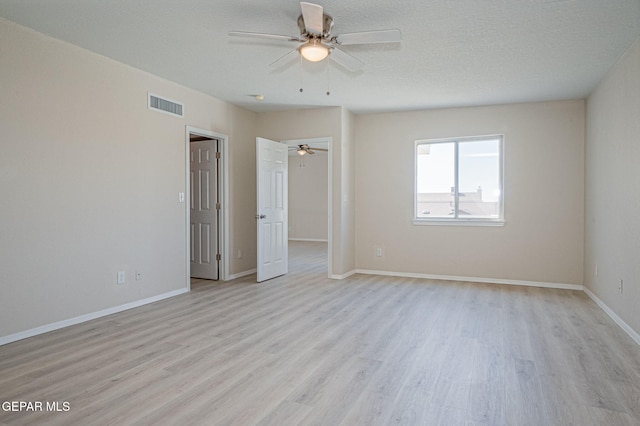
<point>314,50</point>
<point>301,151</point>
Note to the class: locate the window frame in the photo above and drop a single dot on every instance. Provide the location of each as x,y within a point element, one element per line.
<point>458,221</point>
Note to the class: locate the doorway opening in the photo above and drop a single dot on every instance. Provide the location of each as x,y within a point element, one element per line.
<point>310,196</point>
<point>206,205</point>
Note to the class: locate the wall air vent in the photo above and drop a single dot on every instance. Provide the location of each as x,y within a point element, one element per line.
<point>165,105</point>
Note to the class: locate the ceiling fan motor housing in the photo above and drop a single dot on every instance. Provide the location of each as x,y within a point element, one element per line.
<point>327,26</point>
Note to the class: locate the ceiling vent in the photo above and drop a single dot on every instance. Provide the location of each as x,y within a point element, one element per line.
<point>165,105</point>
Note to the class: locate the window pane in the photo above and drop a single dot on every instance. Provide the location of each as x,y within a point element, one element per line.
<point>435,180</point>
<point>479,179</point>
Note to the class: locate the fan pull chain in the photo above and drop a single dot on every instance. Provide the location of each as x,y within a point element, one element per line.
<point>300,74</point>
<point>328,80</point>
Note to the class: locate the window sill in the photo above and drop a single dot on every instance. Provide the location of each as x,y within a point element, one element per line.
<point>459,222</point>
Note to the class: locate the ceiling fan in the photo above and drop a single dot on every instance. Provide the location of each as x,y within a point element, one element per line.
<point>306,149</point>
<point>316,42</point>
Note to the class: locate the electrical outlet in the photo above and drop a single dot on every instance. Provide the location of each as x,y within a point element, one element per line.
<point>621,286</point>
<point>378,252</point>
<point>121,277</point>
<point>138,276</point>
<point>239,254</point>
<point>596,270</point>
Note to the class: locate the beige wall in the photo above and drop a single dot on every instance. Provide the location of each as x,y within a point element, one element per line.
<point>308,197</point>
<point>348,194</point>
<point>242,189</point>
<point>542,240</point>
<point>612,205</point>
<point>90,178</point>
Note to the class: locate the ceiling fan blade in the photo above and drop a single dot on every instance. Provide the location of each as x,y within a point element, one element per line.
<point>285,59</point>
<point>313,17</point>
<point>343,58</point>
<point>368,37</point>
<point>319,149</point>
<point>265,36</point>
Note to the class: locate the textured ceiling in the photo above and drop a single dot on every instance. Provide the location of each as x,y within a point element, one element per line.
<point>453,53</point>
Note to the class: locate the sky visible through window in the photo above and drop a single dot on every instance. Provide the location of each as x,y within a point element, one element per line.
<point>478,168</point>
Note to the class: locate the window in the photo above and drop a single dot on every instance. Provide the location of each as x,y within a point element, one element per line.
<point>459,181</point>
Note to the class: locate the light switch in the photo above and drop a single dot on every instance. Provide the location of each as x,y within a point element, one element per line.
<point>181,197</point>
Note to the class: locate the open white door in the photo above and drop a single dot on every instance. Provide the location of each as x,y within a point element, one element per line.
<point>204,210</point>
<point>272,189</point>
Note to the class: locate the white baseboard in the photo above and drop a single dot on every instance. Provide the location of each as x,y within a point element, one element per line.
<point>623,325</point>
<point>241,274</point>
<point>342,276</point>
<point>87,317</point>
<point>319,240</point>
<point>472,279</point>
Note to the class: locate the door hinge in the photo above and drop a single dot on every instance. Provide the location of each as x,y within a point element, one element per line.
<point>218,206</point>
<point>218,256</point>
<point>218,156</point>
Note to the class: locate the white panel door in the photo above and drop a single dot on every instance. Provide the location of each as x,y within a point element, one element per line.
<point>272,190</point>
<point>204,214</point>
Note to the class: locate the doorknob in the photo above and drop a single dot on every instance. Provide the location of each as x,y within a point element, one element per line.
<point>261,216</point>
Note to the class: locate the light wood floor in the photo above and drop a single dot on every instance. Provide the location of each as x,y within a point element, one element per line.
<point>303,350</point>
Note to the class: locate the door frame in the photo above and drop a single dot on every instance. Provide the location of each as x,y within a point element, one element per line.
<point>329,141</point>
<point>223,232</point>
